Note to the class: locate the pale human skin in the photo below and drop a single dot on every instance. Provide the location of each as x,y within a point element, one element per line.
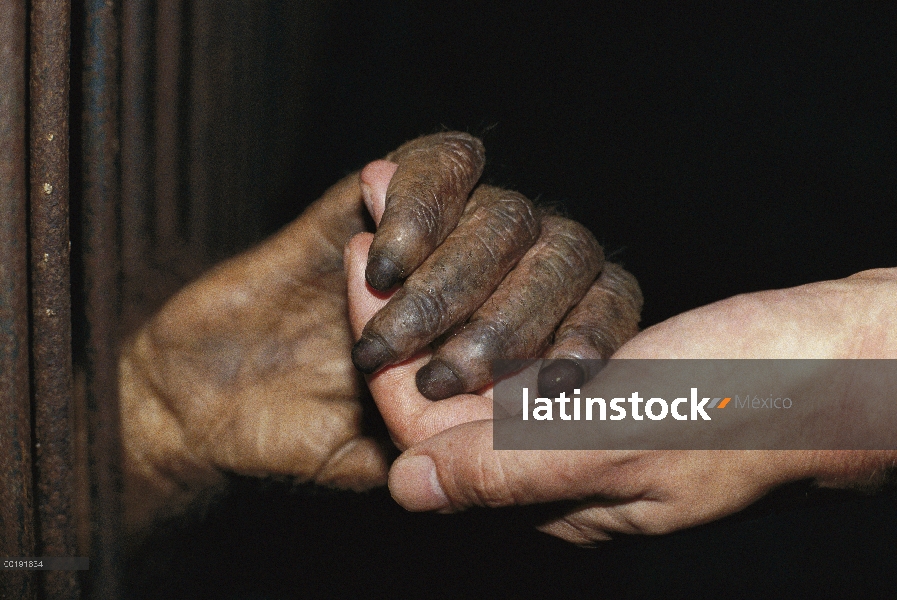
<point>249,369</point>
<point>448,463</point>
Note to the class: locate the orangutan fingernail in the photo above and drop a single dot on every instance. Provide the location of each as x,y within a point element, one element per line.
<point>370,353</point>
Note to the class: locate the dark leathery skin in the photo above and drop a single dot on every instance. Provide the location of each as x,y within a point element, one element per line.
<point>424,201</point>
<point>496,230</point>
<point>605,319</point>
<point>518,320</point>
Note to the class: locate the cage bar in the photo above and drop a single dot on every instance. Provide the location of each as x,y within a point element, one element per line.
<point>51,290</point>
<point>167,125</point>
<point>199,120</point>
<point>101,195</point>
<point>137,163</point>
<point>16,500</point>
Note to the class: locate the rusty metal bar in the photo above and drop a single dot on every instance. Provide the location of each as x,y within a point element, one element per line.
<point>16,501</point>
<point>100,143</point>
<point>168,74</point>
<point>51,290</point>
<point>225,143</point>
<point>137,163</point>
<point>199,173</point>
<point>246,209</point>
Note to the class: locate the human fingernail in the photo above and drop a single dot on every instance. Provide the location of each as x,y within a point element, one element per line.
<point>437,381</point>
<point>382,273</point>
<point>414,483</point>
<point>367,195</point>
<point>561,375</point>
<point>370,353</point>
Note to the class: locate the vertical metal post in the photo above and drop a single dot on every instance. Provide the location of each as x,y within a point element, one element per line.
<point>101,278</point>
<point>227,147</point>
<point>199,172</point>
<point>137,163</point>
<point>16,502</point>
<point>168,57</point>
<point>239,207</point>
<point>51,289</point>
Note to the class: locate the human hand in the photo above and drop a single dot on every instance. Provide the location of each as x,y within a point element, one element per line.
<point>449,463</point>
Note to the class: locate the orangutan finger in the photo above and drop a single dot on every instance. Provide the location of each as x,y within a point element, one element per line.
<point>603,321</point>
<point>497,228</point>
<point>518,320</point>
<point>424,201</point>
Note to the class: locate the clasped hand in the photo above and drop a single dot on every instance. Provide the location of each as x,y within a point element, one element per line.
<point>448,462</point>
<point>249,369</point>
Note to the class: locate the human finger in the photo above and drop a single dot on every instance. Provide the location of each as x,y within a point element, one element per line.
<point>375,178</point>
<point>458,468</point>
<point>409,416</point>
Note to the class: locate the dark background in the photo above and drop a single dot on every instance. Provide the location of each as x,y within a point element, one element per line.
<point>718,150</point>
<point>712,150</point>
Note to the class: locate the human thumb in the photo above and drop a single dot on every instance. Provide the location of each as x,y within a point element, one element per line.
<point>458,468</point>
